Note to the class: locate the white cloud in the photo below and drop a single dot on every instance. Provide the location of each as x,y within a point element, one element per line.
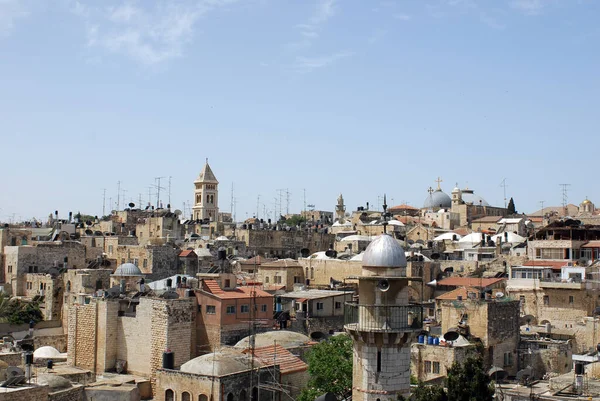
<point>402,17</point>
<point>149,32</point>
<point>531,7</point>
<point>309,64</point>
<point>10,12</point>
<point>324,10</point>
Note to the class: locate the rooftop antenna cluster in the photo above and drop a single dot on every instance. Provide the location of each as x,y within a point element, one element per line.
<point>565,197</point>
<point>504,185</point>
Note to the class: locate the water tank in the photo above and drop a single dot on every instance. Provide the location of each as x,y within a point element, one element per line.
<point>169,283</point>
<point>430,340</point>
<point>421,339</point>
<point>50,364</point>
<point>168,360</point>
<point>579,369</point>
<point>436,341</point>
<point>548,327</point>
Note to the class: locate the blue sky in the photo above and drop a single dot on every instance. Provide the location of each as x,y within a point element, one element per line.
<point>362,97</point>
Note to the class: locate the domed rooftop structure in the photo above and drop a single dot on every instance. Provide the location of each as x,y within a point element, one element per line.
<point>54,382</point>
<point>287,339</point>
<point>220,363</point>
<point>437,199</point>
<point>384,251</point>
<point>46,352</point>
<point>468,196</point>
<point>128,269</point>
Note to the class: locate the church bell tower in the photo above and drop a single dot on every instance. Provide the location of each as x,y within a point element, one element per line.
<point>382,324</point>
<point>206,195</point>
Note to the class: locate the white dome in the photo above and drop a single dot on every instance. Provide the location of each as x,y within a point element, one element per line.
<point>447,236</point>
<point>357,238</point>
<point>347,223</point>
<point>396,223</point>
<point>357,258</point>
<point>512,238</point>
<point>287,339</point>
<point>471,239</point>
<point>384,251</point>
<point>224,362</point>
<point>222,238</point>
<point>46,352</point>
<point>128,269</point>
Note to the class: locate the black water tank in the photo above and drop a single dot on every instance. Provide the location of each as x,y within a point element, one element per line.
<point>168,360</point>
<point>169,283</point>
<point>50,364</point>
<point>29,358</point>
<point>579,369</point>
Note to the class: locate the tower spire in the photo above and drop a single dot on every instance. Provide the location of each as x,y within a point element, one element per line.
<point>385,215</point>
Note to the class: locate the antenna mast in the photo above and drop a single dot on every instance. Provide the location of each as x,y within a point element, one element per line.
<point>565,197</point>
<point>170,189</point>
<point>503,185</point>
<point>118,195</point>
<point>158,188</point>
<point>104,202</point>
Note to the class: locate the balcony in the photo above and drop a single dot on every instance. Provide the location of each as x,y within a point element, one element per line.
<point>555,282</point>
<point>383,318</point>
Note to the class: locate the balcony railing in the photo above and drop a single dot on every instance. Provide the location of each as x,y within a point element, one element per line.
<point>383,318</point>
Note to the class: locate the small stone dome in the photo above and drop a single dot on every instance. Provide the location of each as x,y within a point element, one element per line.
<point>46,352</point>
<point>128,269</point>
<point>586,202</point>
<point>224,362</point>
<point>287,339</point>
<point>384,251</point>
<point>437,199</point>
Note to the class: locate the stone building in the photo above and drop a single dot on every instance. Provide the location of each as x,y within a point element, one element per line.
<point>317,313</point>
<point>280,274</point>
<point>206,196</point>
<point>382,324</point>
<point>430,363</point>
<point>227,313</point>
<point>227,374</point>
<point>134,333</point>
<point>284,243</point>
<point>492,320</point>
<point>155,261</point>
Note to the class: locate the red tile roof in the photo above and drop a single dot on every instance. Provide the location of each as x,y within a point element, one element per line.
<point>212,287</point>
<point>462,231</point>
<point>461,291</point>
<point>276,354</point>
<point>469,281</point>
<point>187,253</point>
<point>592,244</point>
<point>403,207</point>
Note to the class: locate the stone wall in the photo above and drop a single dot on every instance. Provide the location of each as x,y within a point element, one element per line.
<point>59,342</point>
<point>75,393</point>
<point>81,349</point>
<point>29,393</point>
<point>320,271</point>
<point>444,356</point>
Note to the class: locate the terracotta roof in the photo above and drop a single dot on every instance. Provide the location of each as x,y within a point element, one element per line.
<point>403,207</point>
<point>469,281</point>
<point>592,244</point>
<point>462,231</point>
<point>275,287</point>
<point>212,287</point>
<point>277,355</point>
<point>187,253</point>
<point>459,292</point>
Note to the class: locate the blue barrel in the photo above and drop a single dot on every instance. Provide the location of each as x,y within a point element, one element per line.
<point>421,339</point>
<point>430,340</point>
<point>436,341</point>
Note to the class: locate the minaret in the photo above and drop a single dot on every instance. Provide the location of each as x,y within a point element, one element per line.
<point>340,209</point>
<point>382,324</point>
<point>206,195</point>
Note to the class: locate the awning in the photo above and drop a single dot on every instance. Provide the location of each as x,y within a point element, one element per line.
<point>301,300</point>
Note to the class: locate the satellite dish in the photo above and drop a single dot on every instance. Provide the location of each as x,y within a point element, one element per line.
<point>131,204</point>
<point>178,212</point>
<point>499,294</point>
<point>435,256</point>
<point>451,336</point>
<point>88,223</point>
<point>13,371</point>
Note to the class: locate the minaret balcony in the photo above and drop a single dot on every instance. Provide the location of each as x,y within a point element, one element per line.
<point>383,318</point>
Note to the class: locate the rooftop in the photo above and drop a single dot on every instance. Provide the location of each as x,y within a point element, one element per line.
<point>469,282</point>
<point>212,287</point>
<point>277,355</point>
<point>314,294</point>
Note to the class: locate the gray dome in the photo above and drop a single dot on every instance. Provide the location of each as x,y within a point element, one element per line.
<point>437,199</point>
<point>128,269</point>
<point>287,339</point>
<point>220,363</point>
<point>384,251</point>
<point>469,197</point>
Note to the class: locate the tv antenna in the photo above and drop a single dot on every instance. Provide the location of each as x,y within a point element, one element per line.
<point>565,197</point>
<point>504,185</point>
<point>158,188</point>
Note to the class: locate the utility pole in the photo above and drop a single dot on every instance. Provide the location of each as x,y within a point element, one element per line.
<point>542,203</point>
<point>280,191</point>
<point>170,189</point>
<point>257,205</point>
<point>304,196</point>
<point>118,195</point>
<point>287,198</point>
<point>503,185</point>
<point>104,202</point>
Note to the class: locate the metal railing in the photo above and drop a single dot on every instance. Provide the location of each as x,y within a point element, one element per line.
<point>383,318</point>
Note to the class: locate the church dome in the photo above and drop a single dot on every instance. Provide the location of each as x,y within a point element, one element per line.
<point>384,251</point>
<point>437,199</point>
<point>468,196</point>
<point>287,339</point>
<point>586,202</point>
<point>128,269</point>
<point>224,362</point>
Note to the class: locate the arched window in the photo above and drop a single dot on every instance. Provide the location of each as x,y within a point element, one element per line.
<point>185,396</point>
<point>202,397</point>
<point>229,397</point>
<point>169,395</point>
<point>243,395</point>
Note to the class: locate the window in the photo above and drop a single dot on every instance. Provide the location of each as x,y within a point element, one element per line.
<point>571,299</point>
<point>427,366</point>
<point>277,279</point>
<point>319,305</point>
<point>145,263</point>
<point>338,305</point>
<point>436,368</point>
<point>227,283</point>
<point>379,361</point>
<point>522,299</point>
<point>245,308</point>
<point>297,280</point>
<point>211,309</point>
<point>508,359</point>
<point>10,268</point>
<point>136,261</point>
<point>546,300</point>
<point>122,260</point>
<point>110,249</point>
<point>267,279</point>
<point>263,308</point>
<point>231,309</point>
<point>30,269</point>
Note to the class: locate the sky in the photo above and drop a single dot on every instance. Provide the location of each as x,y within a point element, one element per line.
<point>309,97</point>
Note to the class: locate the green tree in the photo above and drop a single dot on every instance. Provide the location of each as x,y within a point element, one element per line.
<point>16,311</point>
<point>469,381</point>
<point>424,392</point>
<point>511,207</point>
<point>330,369</point>
<point>294,220</point>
